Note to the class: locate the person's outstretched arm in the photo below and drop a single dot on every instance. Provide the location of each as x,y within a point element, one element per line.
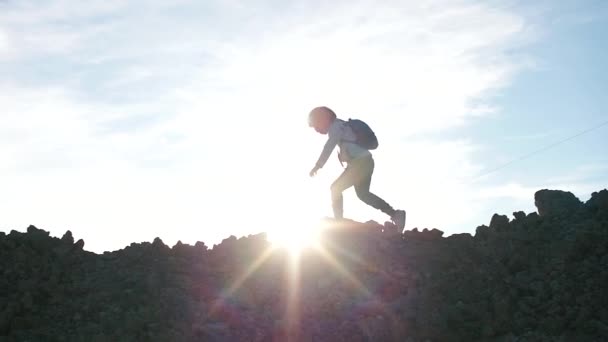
<point>330,145</point>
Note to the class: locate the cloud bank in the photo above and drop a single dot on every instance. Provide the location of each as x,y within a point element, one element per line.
<point>128,120</point>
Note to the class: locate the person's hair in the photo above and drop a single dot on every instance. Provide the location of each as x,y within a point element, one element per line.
<point>316,113</point>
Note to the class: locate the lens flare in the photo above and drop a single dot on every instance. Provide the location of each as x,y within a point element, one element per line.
<point>295,236</point>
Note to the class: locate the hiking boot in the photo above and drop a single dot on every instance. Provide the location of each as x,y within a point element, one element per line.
<point>399,219</point>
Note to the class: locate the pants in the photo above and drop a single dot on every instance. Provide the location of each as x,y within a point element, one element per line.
<point>358,173</point>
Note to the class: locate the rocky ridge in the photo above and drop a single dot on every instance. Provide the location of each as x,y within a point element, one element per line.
<point>537,277</point>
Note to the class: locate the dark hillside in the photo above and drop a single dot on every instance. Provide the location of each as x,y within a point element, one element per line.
<point>537,277</point>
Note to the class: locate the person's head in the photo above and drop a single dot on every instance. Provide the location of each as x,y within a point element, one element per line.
<point>321,118</point>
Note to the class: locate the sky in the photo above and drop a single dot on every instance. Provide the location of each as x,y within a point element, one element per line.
<point>123,121</point>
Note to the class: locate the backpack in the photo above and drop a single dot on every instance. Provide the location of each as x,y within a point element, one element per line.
<point>366,137</point>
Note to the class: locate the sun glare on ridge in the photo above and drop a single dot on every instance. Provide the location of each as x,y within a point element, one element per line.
<point>298,218</point>
<point>295,236</point>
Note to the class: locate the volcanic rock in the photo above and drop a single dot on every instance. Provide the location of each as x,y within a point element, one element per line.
<point>539,277</point>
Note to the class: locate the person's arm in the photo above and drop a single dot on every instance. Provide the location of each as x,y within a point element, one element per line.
<point>330,145</point>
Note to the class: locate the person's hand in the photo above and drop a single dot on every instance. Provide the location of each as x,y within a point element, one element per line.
<point>313,172</point>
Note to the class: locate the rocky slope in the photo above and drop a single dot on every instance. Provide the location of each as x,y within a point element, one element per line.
<point>538,277</point>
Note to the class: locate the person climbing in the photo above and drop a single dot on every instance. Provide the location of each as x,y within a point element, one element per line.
<point>354,149</point>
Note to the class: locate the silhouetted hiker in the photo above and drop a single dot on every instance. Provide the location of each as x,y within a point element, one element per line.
<point>354,150</point>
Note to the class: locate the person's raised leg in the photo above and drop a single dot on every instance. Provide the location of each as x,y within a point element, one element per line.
<point>362,188</point>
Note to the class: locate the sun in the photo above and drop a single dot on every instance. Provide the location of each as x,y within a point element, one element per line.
<point>293,209</point>
<point>298,217</point>
<point>295,237</point>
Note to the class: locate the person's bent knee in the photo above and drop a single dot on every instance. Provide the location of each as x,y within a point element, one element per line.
<point>362,194</point>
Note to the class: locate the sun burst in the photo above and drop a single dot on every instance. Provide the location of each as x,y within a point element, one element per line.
<point>294,237</point>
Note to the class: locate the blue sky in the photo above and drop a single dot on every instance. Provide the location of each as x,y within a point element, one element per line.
<point>127,120</point>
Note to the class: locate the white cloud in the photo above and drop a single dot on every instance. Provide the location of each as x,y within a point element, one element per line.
<point>4,45</point>
<point>167,124</point>
<point>583,173</point>
<point>511,190</point>
<point>581,181</point>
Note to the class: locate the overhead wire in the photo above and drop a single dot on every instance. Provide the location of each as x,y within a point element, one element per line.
<point>542,149</point>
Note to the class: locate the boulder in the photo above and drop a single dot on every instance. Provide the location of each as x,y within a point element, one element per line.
<point>556,202</point>
<point>499,222</point>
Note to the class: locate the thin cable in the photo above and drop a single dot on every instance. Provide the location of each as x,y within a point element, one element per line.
<point>526,156</point>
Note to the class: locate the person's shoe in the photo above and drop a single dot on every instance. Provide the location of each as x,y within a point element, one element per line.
<point>399,219</point>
